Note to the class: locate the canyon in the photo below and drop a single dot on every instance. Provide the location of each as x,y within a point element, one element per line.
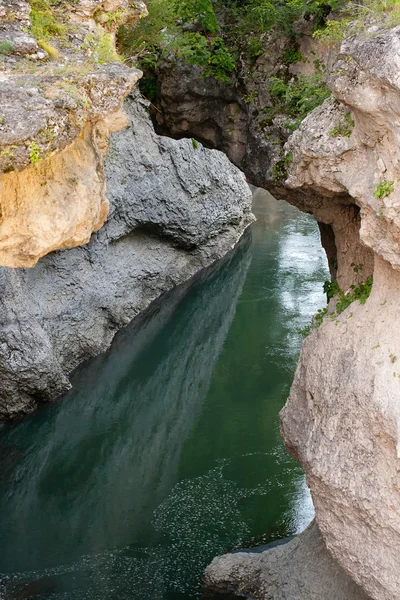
<point>100,215</point>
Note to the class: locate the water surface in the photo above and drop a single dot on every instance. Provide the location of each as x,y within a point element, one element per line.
<point>167,451</point>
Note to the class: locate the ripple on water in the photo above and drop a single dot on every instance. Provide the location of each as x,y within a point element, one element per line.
<point>200,518</point>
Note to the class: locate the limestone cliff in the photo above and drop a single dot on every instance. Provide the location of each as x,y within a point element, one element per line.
<point>342,420</point>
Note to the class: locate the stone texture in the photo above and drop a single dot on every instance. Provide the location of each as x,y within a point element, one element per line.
<point>342,421</point>
<point>70,305</point>
<point>14,23</point>
<point>366,80</point>
<point>59,202</point>
<point>299,569</point>
<point>54,120</point>
<point>50,111</point>
<point>91,13</point>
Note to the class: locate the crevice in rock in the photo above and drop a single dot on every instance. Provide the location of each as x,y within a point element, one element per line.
<point>329,245</point>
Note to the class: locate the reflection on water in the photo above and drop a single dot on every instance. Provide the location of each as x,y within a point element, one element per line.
<point>167,451</point>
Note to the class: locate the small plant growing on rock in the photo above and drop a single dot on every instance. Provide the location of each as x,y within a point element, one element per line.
<point>51,50</point>
<point>280,169</point>
<point>5,47</point>
<point>360,293</point>
<point>250,97</point>
<point>34,153</point>
<point>332,289</point>
<point>384,189</point>
<point>105,51</point>
<point>45,20</point>
<point>7,152</point>
<point>333,32</point>
<point>343,128</point>
<point>195,144</point>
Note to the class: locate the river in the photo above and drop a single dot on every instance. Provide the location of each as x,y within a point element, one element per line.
<point>167,450</point>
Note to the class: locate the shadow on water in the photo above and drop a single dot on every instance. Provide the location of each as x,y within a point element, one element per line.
<point>166,452</point>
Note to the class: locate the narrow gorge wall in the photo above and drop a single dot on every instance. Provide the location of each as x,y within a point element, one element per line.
<point>342,419</point>
<point>173,211</point>
<point>98,214</point>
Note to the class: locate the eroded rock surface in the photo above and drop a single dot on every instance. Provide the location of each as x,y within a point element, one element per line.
<point>173,210</point>
<point>58,98</point>
<point>299,569</point>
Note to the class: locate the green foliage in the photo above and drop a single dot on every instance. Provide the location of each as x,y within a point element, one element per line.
<point>197,11</point>
<point>357,267</point>
<point>196,49</point>
<point>34,153</point>
<point>319,317</point>
<point>384,189</point>
<point>250,97</point>
<point>158,34</point>
<point>152,34</point>
<point>361,292</point>
<point>297,97</point>
<point>292,56</point>
<point>111,18</point>
<point>280,168</point>
<point>333,32</point>
<point>102,48</point>
<point>6,47</point>
<point>105,50</point>
<point>316,322</point>
<point>221,63</point>
<point>195,144</point>
<point>254,48</point>
<point>44,20</point>
<point>261,16</point>
<point>331,288</point>
<point>343,128</point>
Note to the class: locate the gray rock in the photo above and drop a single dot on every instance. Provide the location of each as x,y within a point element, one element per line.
<point>302,569</point>
<point>174,210</point>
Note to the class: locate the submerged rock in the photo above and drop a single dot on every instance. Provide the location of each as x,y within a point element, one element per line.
<point>174,209</point>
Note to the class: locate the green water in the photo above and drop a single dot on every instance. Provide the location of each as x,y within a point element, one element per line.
<point>167,451</point>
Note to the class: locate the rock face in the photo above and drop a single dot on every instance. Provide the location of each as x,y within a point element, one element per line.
<point>299,569</point>
<point>215,113</point>
<point>173,210</point>
<point>14,28</point>
<point>234,116</point>
<point>60,202</point>
<point>55,118</point>
<point>342,419</point>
